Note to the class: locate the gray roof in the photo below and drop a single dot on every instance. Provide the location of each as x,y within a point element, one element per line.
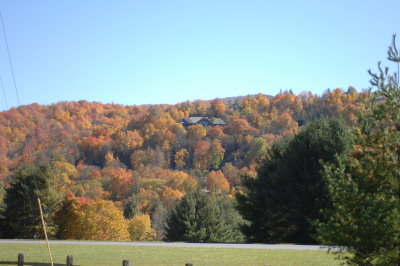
<point>217,121</point>
<point>196,119</point>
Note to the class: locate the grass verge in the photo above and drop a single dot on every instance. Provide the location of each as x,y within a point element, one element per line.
<point>113,255</point>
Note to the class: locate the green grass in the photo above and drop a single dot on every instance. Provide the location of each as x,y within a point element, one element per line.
<point>113,255</point>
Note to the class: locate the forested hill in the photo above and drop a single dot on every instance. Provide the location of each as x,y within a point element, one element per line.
<point>101,140</point>
<point>142,159</point>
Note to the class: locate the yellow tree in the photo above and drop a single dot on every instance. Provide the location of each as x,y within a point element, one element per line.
<point>140,229</point>
<point>65,168</point>
<point>196,132</point>
<point>69,218</point>
<point>182,181</point>
<point>80,218</point>
<point>169,196</point>
<point>104,221</point>
<point>218,107</point>
<point>64,173</point>
<point>180,158</point>
<point>129,139</point>
<point>200,107</point>
<point>217,183</point>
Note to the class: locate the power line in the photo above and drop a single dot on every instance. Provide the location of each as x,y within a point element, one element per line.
<point>9,58</point>
<point>4,92</point>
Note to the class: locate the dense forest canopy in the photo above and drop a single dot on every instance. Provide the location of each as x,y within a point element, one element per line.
<point>98,135</point>
<point>144,158</point>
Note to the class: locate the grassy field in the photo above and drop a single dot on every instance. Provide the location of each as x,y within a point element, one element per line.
<point>113,255</point>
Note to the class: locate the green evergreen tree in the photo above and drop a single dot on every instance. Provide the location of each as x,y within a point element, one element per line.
<point>289,189</point>
<point>232,218</point>
<point>197,217</point>
<point>131,208</point>
<point>21,218</point>
<point>364,187</point>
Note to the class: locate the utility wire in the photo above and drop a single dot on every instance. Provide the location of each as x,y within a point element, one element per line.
<point>4,92</point>
<point>9,58</point>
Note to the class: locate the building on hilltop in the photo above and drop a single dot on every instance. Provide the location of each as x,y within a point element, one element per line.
<point>202,120</point>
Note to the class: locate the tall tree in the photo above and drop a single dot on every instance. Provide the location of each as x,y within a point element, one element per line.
<point>140,229</point>
<point>198,218</point>
<point>289,189</point>
<point>365,186</point>
<point>216,154</point>
<point>68,217</point>
<point>79,218</point>
<point>218,107</point>
<point>22,216</point>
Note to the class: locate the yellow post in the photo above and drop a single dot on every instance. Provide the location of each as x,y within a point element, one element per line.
<point>45,232</point>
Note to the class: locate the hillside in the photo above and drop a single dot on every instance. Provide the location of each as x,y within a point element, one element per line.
<point>145,155</point>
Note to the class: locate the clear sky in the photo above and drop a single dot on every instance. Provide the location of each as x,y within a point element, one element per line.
<point>150,52</point>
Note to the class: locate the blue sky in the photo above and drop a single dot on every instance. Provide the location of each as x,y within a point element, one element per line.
<point>150,52</point>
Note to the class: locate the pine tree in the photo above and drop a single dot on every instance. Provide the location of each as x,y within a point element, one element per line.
<point>198,218</point>
<point>289,189</point>
<point>131,208</point>
<point>364,187</point>
<point>22,216</point>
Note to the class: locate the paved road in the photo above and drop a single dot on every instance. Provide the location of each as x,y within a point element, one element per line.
<point>172,244</point>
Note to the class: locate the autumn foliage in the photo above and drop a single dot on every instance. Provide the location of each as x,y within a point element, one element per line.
<point>80,218</point>
<point>105,154</point>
